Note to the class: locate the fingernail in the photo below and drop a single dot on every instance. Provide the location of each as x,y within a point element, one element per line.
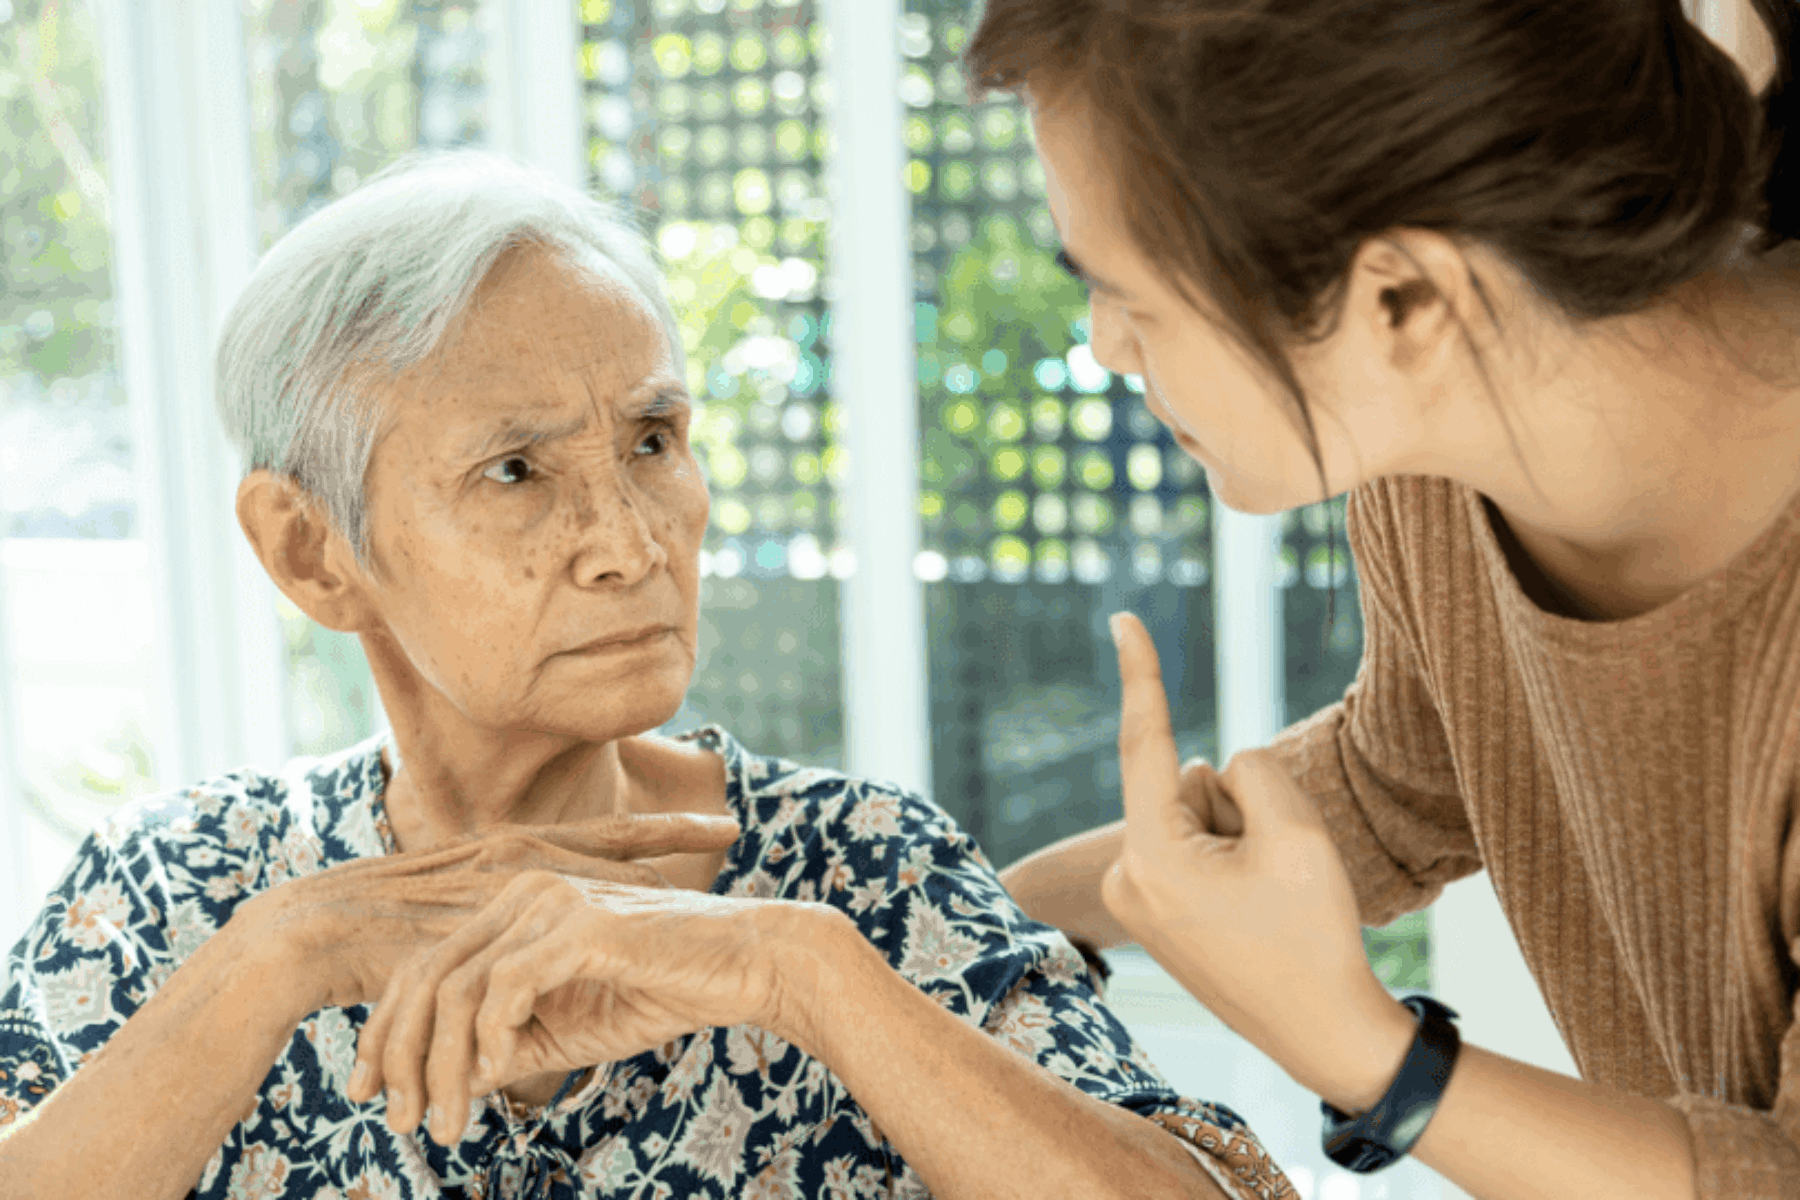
<point>484,1069</point>
<point>396,1099</point>
<point>1115,621</point>
<point>432,1123</point>
<point>359,1076</point>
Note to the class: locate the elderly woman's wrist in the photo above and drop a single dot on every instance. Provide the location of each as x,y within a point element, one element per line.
<point>814,946</point>
<point>278,942</point>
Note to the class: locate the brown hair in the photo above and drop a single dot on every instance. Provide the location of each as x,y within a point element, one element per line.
<point>1607,150</point>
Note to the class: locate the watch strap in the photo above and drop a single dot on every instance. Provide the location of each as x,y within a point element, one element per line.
<point>1388,1130</point>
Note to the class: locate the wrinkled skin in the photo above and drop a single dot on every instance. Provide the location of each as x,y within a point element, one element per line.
<point>529,605</point>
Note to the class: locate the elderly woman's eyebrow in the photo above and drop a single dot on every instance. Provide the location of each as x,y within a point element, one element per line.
<point>515,434</point>
<point>667,402</point>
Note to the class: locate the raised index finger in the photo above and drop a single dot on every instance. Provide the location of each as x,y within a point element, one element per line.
<point>1149,765</point>
<point>642,835</point>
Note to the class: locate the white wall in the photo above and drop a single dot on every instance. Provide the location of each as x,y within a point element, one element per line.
<point>1477,970</point>
<point>79,643</point>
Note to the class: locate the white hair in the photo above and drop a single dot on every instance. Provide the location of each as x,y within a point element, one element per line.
<point>378,278</point>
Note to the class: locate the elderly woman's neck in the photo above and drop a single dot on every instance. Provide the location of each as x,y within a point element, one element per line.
<point>442,785</point>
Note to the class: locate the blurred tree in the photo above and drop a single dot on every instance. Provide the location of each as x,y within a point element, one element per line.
<point>56,313</point>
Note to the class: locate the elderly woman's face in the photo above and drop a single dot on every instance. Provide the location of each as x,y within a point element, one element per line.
<point>536,512</point>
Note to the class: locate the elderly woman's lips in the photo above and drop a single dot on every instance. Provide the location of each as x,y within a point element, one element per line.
<point>625,641</point>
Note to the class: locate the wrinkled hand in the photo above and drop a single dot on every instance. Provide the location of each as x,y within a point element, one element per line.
<point>1233,884</point>
<point>345,929</point>
<point>560,973</point>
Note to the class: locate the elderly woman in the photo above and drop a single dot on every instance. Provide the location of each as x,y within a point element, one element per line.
<point>583,960</point>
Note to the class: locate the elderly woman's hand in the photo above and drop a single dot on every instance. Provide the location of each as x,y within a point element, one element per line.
<point>562,972</point>
<point>346,929</point>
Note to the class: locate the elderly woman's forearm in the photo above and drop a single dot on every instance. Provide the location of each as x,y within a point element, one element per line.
<point>143,1117</point>
<point>973,1117</point>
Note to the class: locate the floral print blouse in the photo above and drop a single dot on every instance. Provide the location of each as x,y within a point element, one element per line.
<point>722,1112</point>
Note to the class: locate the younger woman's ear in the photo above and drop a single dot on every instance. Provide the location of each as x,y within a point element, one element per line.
<point>1414,290</point>
<point>1403,298</point>
<point>303,553</point>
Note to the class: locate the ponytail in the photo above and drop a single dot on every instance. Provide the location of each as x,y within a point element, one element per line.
<point>1781,107</point>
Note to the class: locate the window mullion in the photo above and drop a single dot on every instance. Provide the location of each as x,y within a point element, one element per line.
<point>178,125</point>
<point>1247,619</point>
<point>534,96</point>
<point>875,384</point>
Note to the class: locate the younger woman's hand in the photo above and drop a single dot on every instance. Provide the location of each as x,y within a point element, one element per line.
<point>1233,884</point>
<point>559,973</point>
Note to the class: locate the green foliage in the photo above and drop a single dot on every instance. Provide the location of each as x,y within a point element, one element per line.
<point>55,237</point>
<point>714,303</point>
<point>1400,953</point>
<point>1003,303</point>
<point>1001,292</point>
<point>337,98</point>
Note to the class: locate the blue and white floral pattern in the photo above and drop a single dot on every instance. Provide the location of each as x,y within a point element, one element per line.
<point>723,1112</point>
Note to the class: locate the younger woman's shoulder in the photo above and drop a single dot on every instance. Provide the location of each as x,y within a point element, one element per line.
<point>1397,524</point>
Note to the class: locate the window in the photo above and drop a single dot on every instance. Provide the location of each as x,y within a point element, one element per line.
<point>709,117</point>
<point>77,732</point>
<point>1047,497</point>
<point>1050,498</point>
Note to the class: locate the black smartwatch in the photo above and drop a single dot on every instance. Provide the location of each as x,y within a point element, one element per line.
<point>1388,1130</point>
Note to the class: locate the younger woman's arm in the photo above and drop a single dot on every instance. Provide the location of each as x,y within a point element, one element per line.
<point>1060,885</point>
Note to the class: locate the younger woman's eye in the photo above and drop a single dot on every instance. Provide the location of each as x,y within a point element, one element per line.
<point>512,469</point>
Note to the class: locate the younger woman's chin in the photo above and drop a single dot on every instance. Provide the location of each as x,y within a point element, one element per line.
<point>1257,498</point>
<point>1229,490</point>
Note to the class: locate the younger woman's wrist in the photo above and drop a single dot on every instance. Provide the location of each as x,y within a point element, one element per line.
<point>1366,1060</point>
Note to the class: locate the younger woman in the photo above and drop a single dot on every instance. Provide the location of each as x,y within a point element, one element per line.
<point>1518,277</point>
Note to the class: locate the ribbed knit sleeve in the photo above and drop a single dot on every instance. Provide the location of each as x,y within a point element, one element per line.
<point>1378,762</point>
<point>1751,1150</point>
<point>1628,784</point>
<point>1744,1153</point>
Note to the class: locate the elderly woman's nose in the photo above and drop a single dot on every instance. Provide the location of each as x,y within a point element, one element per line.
<point>613,534</point>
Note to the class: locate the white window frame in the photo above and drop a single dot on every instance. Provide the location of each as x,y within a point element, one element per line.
<point>178,139</point>
<point>534,110</point>
<point>875,383</point>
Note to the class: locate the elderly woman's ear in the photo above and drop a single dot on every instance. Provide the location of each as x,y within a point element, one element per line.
<point>306,556</point>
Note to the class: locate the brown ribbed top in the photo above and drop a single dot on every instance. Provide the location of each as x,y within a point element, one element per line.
<point>1629,786</point>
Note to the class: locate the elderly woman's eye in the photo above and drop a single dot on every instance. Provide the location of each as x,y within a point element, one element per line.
<point>513,469</point>
<point>656,442</point>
